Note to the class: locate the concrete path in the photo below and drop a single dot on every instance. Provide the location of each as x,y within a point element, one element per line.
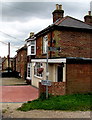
<point>12,81</point>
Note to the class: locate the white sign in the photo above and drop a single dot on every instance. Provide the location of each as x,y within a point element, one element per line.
<point>46,82</point>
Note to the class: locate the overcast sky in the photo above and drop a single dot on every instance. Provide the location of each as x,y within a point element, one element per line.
<point>19,18</point>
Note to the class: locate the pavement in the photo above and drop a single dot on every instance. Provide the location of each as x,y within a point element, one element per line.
<point>16,90</point>
<point>12,81</point>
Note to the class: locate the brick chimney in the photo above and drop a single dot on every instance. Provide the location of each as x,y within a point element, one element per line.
<point>58,13</point>
<point>31,34</point>
<point>88,18</point>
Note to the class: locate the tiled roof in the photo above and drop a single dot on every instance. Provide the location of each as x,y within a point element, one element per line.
<point>67,22</point>
<point>72,22</point>
<point>24,47</point>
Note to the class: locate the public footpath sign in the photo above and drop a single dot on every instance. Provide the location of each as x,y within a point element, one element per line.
<point>46,82</point>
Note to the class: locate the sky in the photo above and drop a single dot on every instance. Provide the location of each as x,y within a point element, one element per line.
<point>18,18</point>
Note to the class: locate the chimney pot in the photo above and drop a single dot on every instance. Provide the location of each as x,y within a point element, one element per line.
<point>88,18</point>
<point>60,7</point>
<point>57,7</point>
<point>89,13</point>
<point>58,13</point>
<point>31,34</point>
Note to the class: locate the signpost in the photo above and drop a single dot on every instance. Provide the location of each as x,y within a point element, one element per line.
<point>48,82</point>
<point>47,72</point>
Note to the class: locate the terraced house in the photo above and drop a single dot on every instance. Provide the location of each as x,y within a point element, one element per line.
<point>69,42</point>
<point>21,61</point>
<point>0,64</point>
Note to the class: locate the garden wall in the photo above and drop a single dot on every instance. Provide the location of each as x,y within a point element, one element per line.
<point>57,88</point>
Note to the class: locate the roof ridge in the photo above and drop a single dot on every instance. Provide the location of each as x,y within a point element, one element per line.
<point>61,20</point>
<point>78,20</point>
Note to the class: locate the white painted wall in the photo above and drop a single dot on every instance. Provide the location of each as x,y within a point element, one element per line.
<point>52,74</point>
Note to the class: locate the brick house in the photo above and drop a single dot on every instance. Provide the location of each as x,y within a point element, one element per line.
<point>69,66</point>
<point>14,63</point>
<point>0,64</point>
<point>21,61</point>
<point>31,53</point>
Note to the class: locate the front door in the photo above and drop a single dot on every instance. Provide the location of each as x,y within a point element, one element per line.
<point>60,73</point>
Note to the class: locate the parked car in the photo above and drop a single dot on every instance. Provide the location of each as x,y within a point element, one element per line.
<point>8,72</point>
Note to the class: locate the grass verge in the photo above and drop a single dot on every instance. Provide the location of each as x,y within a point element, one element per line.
<point>75,102</point>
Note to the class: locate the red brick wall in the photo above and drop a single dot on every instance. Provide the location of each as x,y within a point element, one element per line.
<point>57,88</point>
<point>39,46</point>
<point>78,78</point>
<point>72,43</point>
<point>21,64</point>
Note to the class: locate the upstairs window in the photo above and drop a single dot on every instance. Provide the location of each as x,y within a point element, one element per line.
<point>32,48</point>
<point>45,42</point>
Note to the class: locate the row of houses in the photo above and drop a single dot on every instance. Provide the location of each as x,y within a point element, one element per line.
<point>0,64</point>
<point>17,63</point>
<point>69,42</point>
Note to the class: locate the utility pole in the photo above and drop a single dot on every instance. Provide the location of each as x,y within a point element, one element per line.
<point>8,56</point>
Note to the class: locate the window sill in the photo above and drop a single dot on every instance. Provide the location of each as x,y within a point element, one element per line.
<point>38,77</point>
<point>28,78</point>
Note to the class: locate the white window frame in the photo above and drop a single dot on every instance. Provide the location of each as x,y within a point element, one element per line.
<point>33,45</point>
<point>29,48</point>
<point>64,73</point>
<point>29,74</point>
<point>36,67</point>
<point>45,42</point>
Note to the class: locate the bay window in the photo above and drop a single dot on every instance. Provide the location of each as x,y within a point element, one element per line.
<point>36,68</point>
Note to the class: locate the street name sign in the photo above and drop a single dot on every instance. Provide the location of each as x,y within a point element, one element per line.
<point>54,48</point>
<point>46,82</point>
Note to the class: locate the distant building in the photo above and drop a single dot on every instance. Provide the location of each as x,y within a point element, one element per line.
<point>31,53</point>
<point>21,61</point>
<point>0,64</point>
<point>5,63</point>
<point>14,62</point>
